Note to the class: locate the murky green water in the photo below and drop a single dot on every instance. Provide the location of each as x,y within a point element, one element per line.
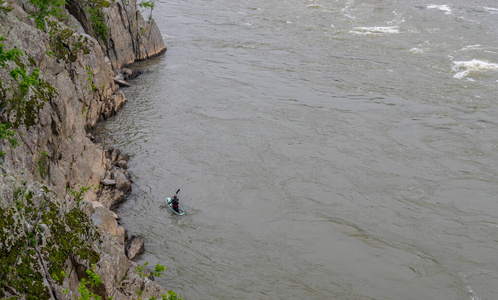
<point>324,149</point>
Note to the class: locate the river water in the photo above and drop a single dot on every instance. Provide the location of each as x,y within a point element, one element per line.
<point>338,149</point>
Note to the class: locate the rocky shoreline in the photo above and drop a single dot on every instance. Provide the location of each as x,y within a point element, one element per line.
<point>59,187</point>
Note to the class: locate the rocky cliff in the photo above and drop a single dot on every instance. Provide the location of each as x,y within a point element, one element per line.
<point>58,62</point>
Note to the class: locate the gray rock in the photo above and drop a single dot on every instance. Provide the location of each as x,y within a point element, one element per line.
<point>113,265</point>
<point>108,182</point>
<point>122,164</point>
<point>123,183</point>
<point>115,154</point>
<point>120,80</point>
<point>145,40</point>
<point>136,248</point>
<point>129,74</point>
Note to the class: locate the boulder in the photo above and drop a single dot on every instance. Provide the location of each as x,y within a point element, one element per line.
<point>120,80</point>
<point>135,248</point>
<point>122,164</point>
<point>123,182</point>
<point>115,155</point>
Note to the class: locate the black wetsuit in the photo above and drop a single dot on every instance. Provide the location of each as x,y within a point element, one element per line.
<point>174,204</point>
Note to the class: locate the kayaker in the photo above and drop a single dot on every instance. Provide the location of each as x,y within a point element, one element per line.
<point>174,203</point>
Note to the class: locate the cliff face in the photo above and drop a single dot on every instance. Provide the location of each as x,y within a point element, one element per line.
<point>129,37</point>
<point>56,171</point>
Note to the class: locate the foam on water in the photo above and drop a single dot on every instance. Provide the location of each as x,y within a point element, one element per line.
<point>417,50</point>
<point>421,48</point>
<point>492,10</point>
<point>444,8</point>
<point>314,6</point>
<point>375,30</point>
<point>464,68</point>
<point>470,278</point>
<point>471,47</point>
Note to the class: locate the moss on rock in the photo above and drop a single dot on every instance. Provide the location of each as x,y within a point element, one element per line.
<point>37,238</point>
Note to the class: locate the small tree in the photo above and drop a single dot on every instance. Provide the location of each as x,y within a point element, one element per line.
<point>93,281</point>
<point>147,5</point>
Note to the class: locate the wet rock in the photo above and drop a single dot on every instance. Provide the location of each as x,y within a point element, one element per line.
<point>114,156</point>
<point>123,183</point>
<point>117,198</point>
<point>122,164</point>
<point>117,158</point>
<point>135,248</point>
<point>108,182</point>
<point>123,156</point>
<point>119,79</point>
<point>129,74</point>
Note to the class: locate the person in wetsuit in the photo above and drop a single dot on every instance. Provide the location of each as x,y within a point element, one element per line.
<point>174,203</point>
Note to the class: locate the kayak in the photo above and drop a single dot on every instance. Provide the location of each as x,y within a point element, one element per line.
<point>180,212</point>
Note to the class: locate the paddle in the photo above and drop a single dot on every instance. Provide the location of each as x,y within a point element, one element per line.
<point>173,196</point>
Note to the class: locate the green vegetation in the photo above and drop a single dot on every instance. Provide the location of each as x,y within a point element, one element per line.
<point>89,73</point>
<point>7,134</point>
<point>141,269</point>
<point>27,92</point>
<point>42,163</point>
<point>5,7</point>
<point>158,269</point>
<point>41,229</point>
<point>65,44</point>
<point>23,94</point>
<point>93,281</point>
<point>78,194</point>
<point>62,39</point>
<point>171,296</point>
<point>47,8</point>
<point>147,5</point>
<point>99,26</point>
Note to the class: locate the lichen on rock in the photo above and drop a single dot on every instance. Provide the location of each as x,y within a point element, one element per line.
<point>50,234</point>
<point>38,235</point>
